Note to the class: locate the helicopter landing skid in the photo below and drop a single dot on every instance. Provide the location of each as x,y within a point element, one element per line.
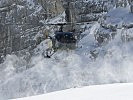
<point>46,55</point>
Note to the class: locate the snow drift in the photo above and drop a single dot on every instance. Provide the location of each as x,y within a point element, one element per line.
<point>103,92</point>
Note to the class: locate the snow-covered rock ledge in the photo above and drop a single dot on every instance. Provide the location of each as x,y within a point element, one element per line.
<point>99,92</point>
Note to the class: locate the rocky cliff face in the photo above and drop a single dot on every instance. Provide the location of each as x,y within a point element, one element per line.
<point>20,22</point>
<point>85,10</point>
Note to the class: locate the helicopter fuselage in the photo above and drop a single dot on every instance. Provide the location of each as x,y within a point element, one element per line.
<point>65,40</point>
<point>65,37</point>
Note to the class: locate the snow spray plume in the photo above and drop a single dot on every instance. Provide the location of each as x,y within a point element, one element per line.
<point>67,70</point>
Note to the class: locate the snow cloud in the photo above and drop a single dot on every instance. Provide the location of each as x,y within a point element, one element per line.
<point>67,69</point>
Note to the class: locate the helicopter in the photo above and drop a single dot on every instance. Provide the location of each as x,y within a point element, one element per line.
<point>64,40</point>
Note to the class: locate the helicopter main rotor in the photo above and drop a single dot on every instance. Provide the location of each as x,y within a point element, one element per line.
<point>49,24</point>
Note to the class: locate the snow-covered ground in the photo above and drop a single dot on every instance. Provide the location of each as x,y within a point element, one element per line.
<point>98,92</point>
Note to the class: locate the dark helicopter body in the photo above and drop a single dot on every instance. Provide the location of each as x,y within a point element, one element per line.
<point>65,40</point>
<point>65,37</point>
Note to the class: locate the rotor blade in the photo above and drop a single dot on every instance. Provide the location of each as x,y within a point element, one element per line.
<point>40,24</point>
<point>49,24</point>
